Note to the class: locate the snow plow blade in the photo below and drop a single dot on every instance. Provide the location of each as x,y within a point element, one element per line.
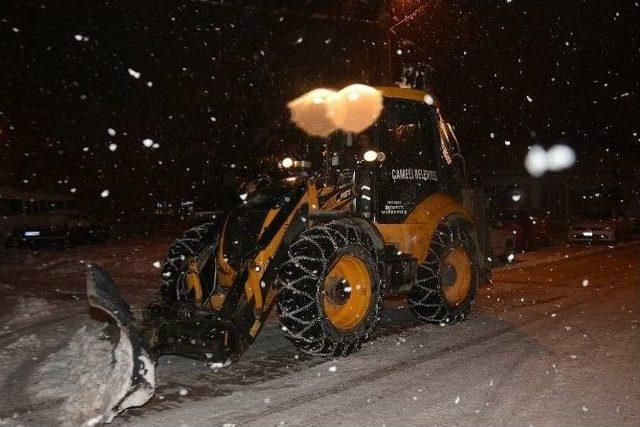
<point>132,376</point>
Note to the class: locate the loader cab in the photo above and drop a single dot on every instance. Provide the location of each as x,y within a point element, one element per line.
<point>406,169</point>
<point>407,155</point>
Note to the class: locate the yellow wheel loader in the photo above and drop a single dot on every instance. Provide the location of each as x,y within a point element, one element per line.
<point>375,212</point>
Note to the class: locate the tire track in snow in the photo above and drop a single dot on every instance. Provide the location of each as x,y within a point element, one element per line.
<point>476,345</point>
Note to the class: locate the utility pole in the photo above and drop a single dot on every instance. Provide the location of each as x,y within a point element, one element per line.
<point>389,26</point>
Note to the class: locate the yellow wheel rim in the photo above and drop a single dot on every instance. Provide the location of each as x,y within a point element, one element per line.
<point>347,292</point>
<point>192,280</point>
<point>459,264</point>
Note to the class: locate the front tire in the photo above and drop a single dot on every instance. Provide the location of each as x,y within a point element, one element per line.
<point>330,289</point>
<point>190,246</point>
<point>447,281</point>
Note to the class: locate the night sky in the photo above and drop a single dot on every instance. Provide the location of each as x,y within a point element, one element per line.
<point>214,80</point>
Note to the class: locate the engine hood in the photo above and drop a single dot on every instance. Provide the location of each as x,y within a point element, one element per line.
<point>273,194</point>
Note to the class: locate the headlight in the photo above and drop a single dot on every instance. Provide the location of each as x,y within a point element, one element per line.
<point>370,156</point>
<point>287,162</point>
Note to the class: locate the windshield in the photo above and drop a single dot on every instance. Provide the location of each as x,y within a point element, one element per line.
<point>347,148</point>
<point>401,129</point>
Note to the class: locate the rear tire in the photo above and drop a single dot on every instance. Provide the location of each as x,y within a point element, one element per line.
<point>330,289</point>
<point>447,281</point>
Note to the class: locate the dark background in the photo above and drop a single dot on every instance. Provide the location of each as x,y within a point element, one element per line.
<point>240,63</point>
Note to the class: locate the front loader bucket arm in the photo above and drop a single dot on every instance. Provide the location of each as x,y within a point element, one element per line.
<point>132,376</point>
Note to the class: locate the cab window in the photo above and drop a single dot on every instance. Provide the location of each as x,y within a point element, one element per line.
<point>409,171</point>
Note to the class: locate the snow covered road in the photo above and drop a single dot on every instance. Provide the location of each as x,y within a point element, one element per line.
<point>553,340</point>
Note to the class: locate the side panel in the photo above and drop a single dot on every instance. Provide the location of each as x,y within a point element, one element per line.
<point>413,236</point>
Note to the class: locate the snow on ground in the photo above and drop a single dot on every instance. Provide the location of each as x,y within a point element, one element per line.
<point>541,348</point>
<point>558,253</point>
<point>27,310</point>
<point>49,346</point>
<point>76,373</point>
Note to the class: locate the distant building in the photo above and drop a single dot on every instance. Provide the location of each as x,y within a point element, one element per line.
<point>562,196</point>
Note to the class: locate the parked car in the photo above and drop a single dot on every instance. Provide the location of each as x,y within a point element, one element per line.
<point>525,229</point>
<point>40,217</point>
<point>599,225</point>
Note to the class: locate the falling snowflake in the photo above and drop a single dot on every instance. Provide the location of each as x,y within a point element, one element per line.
<point>105,193</point>
<point>559,157</point>
<point>536,161</point>
<point>332,368</point>
<point>157,264</point>
<point>113,147</point>
<point>111,132</point>
<point>147,142</point>
<point>133,73</point>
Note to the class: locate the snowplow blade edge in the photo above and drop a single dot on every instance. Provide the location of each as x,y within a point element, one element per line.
<point>134,370</point>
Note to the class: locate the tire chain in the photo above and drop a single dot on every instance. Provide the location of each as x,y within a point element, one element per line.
<point>426,299</point>
<point>300,296</point>
<point>189,244</point>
